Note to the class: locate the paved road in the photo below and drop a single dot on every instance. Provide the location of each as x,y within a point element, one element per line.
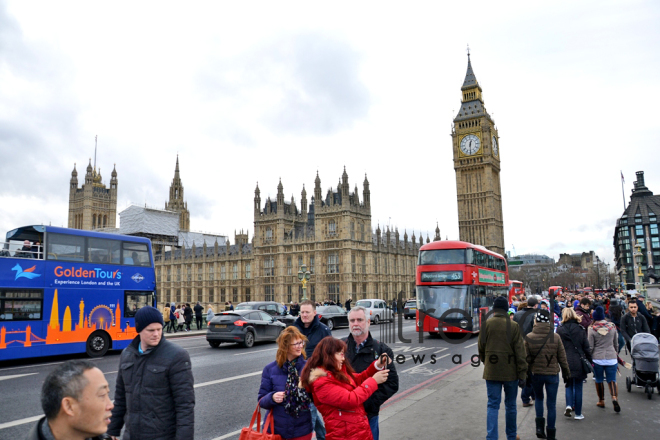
<point>226,379</point>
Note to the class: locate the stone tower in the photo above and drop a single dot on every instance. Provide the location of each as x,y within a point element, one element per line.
<point>93,206</point>
<point>176,202</point>
<point>477,165</point>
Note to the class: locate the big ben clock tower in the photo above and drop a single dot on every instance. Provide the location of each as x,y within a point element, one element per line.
<point>477,165</point>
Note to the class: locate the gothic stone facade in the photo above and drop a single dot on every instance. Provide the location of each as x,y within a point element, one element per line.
<point>477,165</point>
<point>92,206</point>
<point>176,202</point>
<point>332,236</point>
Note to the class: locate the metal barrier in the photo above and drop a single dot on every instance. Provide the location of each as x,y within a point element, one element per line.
<point>35,252</point>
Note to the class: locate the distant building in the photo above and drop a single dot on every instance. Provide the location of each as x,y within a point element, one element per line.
<point>530,260</point>
<point>638,224</point>
<point>93,206</point>
<point>584,261</point>
<point>176,202</point>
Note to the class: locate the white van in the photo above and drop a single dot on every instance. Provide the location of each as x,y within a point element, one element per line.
<point>377,310</point>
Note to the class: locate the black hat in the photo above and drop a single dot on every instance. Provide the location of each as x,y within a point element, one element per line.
<point>599,314</point>
<point>501,303</point>
<point>543,316</point>
<point>147,315</point>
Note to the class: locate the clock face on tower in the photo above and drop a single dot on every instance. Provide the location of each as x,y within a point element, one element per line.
<point>496,151</point>
<point>470,144</point>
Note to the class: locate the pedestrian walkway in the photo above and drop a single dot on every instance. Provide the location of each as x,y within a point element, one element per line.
<point>453,406</point>
<point>184,333</point>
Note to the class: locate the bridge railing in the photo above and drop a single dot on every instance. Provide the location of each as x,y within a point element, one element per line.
<point>10,250</point>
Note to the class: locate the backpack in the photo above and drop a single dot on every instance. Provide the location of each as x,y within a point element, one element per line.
<point>176,315</point>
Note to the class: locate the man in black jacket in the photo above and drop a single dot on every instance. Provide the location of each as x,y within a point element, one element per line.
<point>76,401</point>
<point>199,309</point>
<point>633,323</point>
<point>310,326</point>
<point>363,349</point>
<point>154,392</point>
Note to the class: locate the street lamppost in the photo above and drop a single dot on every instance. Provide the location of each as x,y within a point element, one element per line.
<point>598,273</point>
<point>638,259</point>
<point>304,275</point>
<point>624,280</point>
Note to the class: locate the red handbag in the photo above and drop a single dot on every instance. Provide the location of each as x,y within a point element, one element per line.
<point>248,433</point>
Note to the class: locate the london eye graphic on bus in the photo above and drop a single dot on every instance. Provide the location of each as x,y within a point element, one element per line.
<point>101,317</point>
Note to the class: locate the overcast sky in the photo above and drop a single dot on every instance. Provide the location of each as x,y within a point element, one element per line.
<point>258,91</point>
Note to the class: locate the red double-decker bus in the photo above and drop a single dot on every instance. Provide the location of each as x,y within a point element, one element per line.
<point>461,276</point>
<point>515,289</point>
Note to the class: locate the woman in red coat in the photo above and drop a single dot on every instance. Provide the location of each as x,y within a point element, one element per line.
<point>338,392</point>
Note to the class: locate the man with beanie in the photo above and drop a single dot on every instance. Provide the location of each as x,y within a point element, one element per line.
<point>502,352</point>
<point>154,392</point>
<point>525,319</point>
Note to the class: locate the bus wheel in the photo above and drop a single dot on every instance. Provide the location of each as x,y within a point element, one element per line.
<point>98,344</point>
<point>434,335</point>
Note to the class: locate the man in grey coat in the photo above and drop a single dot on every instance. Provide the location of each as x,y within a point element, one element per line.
<point>154,394</point>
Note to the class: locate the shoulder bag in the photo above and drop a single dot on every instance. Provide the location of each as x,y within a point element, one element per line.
<point>586,365</point>
<point>528,381</point>
<point>248,433</point>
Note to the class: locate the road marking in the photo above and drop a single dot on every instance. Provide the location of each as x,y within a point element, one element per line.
<point>16,376</point>
<point>213,382</point>
<point>111,372</point>
<point>30,366</point>
<point>472,345</point>
<point>258,351</point>
<point>231,434</point>
<point>20,422</point>
<point>442,349</point>
<point>196,346</point>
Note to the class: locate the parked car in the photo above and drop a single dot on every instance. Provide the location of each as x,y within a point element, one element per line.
<point>410,309</point>
<point>243,326</point>
<point>377,310</point>
<point>332,316</point>
<point>271,307</point>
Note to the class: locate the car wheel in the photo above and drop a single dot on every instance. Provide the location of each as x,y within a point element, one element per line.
<point>330,324</point>
<point>376,320</point>
<point>628,384</point>
<point>214,344</point>
<point>248,342</point>
<point>98,344</point>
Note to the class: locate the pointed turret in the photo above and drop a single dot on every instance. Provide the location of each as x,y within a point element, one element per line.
<point>74,179</point>
<point>176,168</point>
<point>113,178</point>
<point>470,80</point>
<point>280,197</point>
<point>366,193</point>
<point>303,203</point>
<point>437,233</point>
<point>257,201</point>
<point>318,196</point>
<point>176,202</point>
<point>89,175</point>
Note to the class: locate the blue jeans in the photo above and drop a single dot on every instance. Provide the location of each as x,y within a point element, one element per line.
<point>608,370</point>
<point>373,424</point>
<point>574,395</point>
<point>494,390</point>
<point>317,422</point>
<point>527,394</point>
<point>551,383</point>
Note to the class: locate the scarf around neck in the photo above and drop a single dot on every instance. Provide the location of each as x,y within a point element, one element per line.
<point>296,399</point>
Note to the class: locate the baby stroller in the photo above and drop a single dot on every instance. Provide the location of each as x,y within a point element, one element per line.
<point>644,351</point>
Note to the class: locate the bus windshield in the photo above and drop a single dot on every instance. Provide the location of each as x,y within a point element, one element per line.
<point>436,300</point>
<point>442,256</point>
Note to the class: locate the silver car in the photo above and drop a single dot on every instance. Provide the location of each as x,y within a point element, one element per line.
<point>377,310</point>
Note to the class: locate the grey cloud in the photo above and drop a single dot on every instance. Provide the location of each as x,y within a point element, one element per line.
<point>316,79</point>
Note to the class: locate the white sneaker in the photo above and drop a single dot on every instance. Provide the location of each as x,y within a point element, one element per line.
<point>567,413</point>
<point>578,417</point>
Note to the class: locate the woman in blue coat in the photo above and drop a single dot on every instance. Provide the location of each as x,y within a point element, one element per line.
<point>279,391</point>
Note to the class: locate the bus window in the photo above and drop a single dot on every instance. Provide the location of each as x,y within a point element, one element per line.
<point>21,305</point>
<point>133,301</point>
<point>480,258</point>
<point>66,247</point>
<point>491,262</point>
<point>100,250</point>
<point>469,258</point>
<point>442,256</point>
<point>135,254</point>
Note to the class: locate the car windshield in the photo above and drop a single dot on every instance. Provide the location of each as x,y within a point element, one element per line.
<point>244,307</point>
<point>436,300</point>
<point>411,304</point>
<point>365,304</point>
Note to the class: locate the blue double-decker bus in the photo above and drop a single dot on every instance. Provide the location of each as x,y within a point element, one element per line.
<point>65,291</point>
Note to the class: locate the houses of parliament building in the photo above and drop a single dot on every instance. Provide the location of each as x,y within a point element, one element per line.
<point>331,234</point>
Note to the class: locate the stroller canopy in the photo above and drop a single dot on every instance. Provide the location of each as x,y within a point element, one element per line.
<point>645,354</point>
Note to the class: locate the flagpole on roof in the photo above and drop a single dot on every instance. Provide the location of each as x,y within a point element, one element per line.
<point>623,192</point>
